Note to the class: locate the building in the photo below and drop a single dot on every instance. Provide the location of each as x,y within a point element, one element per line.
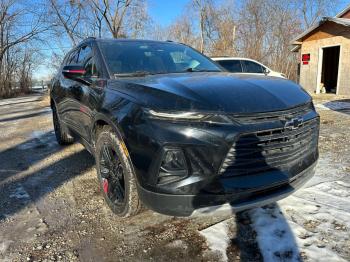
<point>325,55</point>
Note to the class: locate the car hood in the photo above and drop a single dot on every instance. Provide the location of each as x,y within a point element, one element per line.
<point>219,91</point>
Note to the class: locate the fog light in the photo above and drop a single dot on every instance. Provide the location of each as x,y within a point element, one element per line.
<point>173,166</point>
<point>174,160</point>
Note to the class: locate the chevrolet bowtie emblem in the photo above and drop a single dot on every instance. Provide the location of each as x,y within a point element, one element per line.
<point>294,123</point>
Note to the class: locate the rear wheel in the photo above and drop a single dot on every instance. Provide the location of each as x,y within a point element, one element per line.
<point>115,174</point>
<point>62,133</point>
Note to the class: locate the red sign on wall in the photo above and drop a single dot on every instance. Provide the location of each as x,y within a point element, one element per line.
<point>305,57</point>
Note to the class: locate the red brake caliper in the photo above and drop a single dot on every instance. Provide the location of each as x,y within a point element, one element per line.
<point>105,185</point>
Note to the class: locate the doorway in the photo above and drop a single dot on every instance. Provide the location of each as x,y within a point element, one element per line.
<point>330,68</point>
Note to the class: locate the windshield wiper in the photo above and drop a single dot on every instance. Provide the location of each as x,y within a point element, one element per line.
<point>136,73</point>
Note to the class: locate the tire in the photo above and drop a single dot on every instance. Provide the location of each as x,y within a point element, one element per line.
<point>116,175</point>
<point>62,133</point>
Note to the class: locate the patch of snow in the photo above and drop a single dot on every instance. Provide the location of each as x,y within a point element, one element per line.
<point>218,237</point>
<point>333,105</point>
<point>312,224</point>
<point>37,134</point>
<point>38,138</point>
<point>4,245</point>
<point>177,244</point>
<point>20,193</point>
<point>275,237</point>
<point>321,107</point>
<point>11,101</point>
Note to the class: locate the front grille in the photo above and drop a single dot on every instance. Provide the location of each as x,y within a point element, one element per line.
<point>271,149</point>
<point>272,116</point>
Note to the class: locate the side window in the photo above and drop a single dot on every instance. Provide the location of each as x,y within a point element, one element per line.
<point>84,53</point>
<point>91,69</point>
<point>252,67</point>
<point>233,66</point>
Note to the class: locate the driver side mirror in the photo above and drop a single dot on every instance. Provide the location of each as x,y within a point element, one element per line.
<point>73,72</point>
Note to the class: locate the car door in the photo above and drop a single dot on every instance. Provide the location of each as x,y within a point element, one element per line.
<point>78,94</point>
<point>86,93</point>
<point>250,67</point>
<point>63,96</point>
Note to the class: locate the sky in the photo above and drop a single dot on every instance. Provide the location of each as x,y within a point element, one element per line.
<point>164,12</point>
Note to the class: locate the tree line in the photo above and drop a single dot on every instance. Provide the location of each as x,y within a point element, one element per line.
<point>258,29</point>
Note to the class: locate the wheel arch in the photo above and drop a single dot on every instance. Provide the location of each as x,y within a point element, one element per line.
<point>100,121</point>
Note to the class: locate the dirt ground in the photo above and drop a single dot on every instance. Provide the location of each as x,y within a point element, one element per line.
<point>51,208</point>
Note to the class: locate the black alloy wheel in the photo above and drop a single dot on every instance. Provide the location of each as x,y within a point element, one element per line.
<point>112,175</point>
<point>116,175</point>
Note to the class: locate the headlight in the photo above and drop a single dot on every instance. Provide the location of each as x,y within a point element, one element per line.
<point>175,115</point>
<point>183,116</point>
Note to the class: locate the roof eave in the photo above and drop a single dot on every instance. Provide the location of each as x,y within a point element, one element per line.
<point>343,12</point>
<point>299,38</point>
<point>340,21</point>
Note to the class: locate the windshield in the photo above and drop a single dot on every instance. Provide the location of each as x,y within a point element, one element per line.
<point>141,58</point>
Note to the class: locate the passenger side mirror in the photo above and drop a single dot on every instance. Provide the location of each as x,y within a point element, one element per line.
<point>73,71</point>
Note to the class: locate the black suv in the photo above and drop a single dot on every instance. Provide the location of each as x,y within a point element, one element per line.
<point>171,129</point>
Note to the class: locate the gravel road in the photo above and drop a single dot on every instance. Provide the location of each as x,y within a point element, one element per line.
<point>51,208</point>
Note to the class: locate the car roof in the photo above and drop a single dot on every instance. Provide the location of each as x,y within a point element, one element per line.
<point>121,40</point>
<point>220,58</point>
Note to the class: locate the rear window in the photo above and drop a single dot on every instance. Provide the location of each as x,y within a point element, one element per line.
<point>233,66</point>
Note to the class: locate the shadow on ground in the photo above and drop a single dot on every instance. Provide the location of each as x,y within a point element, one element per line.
<point>25,116</point>
<point>19,158</point>
<point>19,186</point>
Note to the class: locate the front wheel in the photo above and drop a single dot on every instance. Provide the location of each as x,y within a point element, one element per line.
<point>115,174</point>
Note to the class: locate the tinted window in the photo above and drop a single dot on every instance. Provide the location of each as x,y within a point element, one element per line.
<point>252,67</point>
<point>85,52</point>
<point>126,57</point>
<point>91,69</point>
<point>233,66</point>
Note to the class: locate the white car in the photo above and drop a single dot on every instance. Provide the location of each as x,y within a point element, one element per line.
<point>245,66</point>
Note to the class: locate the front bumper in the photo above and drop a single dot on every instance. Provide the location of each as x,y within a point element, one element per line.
<point>192,205</point>
<point>246,165</point>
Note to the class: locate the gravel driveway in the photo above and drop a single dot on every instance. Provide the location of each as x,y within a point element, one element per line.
<point>51,208</point>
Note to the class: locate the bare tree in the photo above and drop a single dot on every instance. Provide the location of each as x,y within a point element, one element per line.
<point>221,29</point>
<point>312,10</point>
<point>113,13</point>
<point>12,36</point>
<point>66,17</point>
<point>137,19</point>
<point>203,8</point>
<point>182,31</point>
